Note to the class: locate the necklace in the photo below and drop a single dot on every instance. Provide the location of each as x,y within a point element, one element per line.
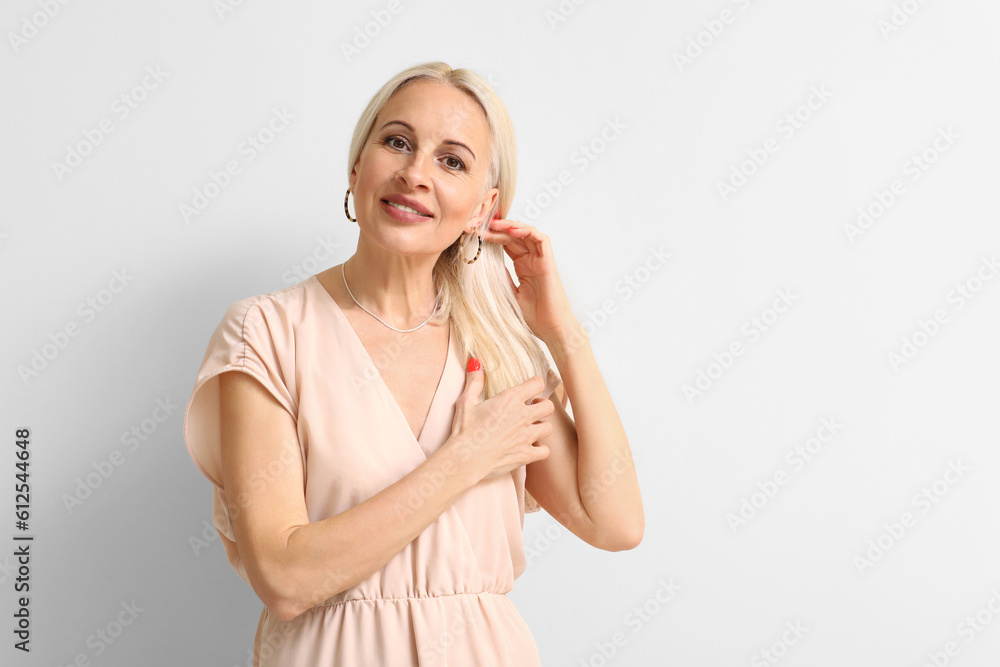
<point>343,273</point>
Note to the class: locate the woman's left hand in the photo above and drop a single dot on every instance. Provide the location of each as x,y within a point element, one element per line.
<point>540,293</point>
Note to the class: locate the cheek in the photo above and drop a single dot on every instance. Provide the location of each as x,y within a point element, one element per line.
<point>459,199</point>
<point>372,166</point>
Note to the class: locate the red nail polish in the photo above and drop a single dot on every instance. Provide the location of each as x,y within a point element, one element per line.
<point>473,365</point>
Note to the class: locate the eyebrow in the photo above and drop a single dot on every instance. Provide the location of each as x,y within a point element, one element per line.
<point>447,141</point>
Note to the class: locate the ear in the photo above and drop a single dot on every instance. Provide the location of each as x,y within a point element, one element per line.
<point>486,205</point>
<point>354,177</point>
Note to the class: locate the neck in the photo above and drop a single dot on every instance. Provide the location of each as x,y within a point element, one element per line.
<point>397,288</point>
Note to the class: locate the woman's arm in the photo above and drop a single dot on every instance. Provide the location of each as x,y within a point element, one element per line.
<point>293,564</point>
<point>588,482</point>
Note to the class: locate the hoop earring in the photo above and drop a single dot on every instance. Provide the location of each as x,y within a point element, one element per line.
<point>346,211</point>
<point>470,261</point>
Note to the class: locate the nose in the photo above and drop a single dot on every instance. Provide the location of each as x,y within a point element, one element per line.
<point>414,172</point>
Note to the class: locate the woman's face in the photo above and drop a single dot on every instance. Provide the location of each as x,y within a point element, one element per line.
<point>428,149</point>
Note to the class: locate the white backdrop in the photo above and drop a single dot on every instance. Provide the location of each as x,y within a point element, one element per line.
<point>778,220</point>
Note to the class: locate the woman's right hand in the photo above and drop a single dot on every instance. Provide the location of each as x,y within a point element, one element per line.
<point>498,435</point>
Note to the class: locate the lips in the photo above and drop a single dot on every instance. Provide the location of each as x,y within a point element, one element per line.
<point>408,209</point>
<point>406,201</point>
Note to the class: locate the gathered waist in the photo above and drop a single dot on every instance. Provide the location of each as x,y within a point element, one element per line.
<point>407,598</point>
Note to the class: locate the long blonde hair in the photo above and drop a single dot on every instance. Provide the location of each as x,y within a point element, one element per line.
<point>486,319</point>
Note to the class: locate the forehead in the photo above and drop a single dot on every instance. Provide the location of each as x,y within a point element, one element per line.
<point>438,111</point>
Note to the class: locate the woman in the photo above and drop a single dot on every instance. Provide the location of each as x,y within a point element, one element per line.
<point>368,484</point>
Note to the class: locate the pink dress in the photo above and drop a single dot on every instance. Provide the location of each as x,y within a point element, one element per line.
<point>441,600</point>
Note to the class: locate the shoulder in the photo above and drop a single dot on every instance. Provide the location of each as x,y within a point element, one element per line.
<point>284,305</point>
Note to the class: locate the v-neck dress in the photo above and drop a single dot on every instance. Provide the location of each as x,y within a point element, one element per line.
<point>441,600</point>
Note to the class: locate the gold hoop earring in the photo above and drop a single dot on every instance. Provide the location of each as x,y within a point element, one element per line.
<point>470,261</point>
<point>347,212</point>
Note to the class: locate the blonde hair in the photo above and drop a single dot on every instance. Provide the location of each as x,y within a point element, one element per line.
<point>485,316</point>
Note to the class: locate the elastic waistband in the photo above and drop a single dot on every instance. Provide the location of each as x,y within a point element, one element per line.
<point>408,598</point>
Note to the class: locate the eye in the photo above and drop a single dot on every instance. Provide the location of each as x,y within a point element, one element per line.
<point>458,167</point>
<point>389,141</point>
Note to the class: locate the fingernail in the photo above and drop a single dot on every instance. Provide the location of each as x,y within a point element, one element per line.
<point>473,365</point>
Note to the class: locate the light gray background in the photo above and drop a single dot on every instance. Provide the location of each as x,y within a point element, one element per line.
<point>564,70</point>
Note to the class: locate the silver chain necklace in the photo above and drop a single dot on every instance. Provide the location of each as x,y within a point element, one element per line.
<point>344,273</point>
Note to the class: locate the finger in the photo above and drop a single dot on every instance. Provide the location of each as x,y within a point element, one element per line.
<point>510,228</point>
<point>515,250</point>
<point>499,227</point>
<point>540,411</point>
<point>475,378</point>
<point>541,452</point>
<point>542,430</point>
<point>508,240</point>
<point>533,239</point>
<point>530,388</point>
<point>503,224</point>
<point>525,391</point>
<point>544,405</point>
<point>515,228</point>
<point>526,237</point>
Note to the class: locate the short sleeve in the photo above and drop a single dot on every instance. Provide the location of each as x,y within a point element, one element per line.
<point>552,381</point>
<point>251,338</point>
<point>254,338</point>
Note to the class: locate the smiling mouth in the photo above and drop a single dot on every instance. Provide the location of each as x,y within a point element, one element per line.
<point>409,209</point>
